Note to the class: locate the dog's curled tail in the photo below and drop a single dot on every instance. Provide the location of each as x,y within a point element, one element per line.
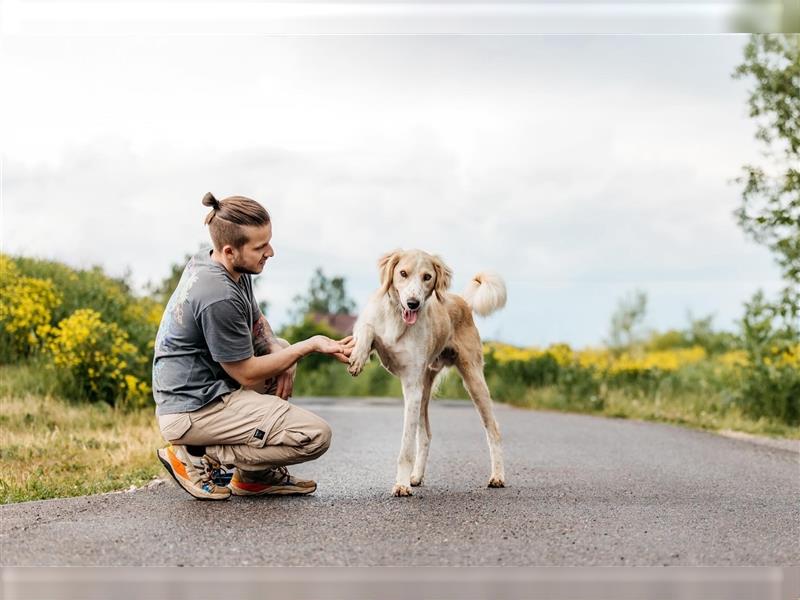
<point>486,293</point>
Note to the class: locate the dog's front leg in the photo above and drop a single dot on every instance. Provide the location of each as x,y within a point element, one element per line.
<point>364,334</point>
<point>412,398</point>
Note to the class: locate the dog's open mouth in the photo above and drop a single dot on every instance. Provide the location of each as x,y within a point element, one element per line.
<point>409,316</point>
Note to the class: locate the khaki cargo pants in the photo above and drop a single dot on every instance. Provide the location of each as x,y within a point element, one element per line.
<point>251,430</point>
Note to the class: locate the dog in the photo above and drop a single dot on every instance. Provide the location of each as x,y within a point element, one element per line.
<point>417,328</point>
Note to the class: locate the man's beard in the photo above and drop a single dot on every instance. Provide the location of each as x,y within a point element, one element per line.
<point>242,269</point>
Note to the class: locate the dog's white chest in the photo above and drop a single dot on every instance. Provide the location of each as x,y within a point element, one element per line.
<point>400,355</point>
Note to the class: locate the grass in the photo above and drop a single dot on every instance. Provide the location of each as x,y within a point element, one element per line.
<point>690,410</point>
<point>50,448</point>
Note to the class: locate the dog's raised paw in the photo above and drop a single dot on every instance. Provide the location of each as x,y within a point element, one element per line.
<point>496,482</point>
<point>401,490</point>
<point>415,481</point>
<point>356,365</point>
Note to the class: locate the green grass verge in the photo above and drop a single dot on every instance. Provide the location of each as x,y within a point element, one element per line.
<point>709,411</point>
<point>51,448</point>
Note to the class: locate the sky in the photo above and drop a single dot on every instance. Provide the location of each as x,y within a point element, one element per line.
<point>579,167</point>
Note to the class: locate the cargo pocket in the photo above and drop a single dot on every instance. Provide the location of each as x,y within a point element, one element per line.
<point>173,427</point>
<point>269,431</point>
<point>290,437</point>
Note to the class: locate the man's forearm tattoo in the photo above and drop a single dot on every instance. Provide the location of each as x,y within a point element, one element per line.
<point>263,337</point>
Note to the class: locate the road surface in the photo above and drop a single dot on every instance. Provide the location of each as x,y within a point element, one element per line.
<point>580,490</point>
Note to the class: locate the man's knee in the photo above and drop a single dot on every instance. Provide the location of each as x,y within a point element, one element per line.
<point>321,440</point>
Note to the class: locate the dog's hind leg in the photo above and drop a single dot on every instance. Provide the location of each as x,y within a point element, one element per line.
<point>412,399</point>
<point>423,430</point>
<point>472,374</point>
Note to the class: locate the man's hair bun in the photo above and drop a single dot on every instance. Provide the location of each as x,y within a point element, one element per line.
<point>209,200</point>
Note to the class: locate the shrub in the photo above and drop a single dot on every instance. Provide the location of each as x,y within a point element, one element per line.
<point>96,362</point>
<point>26,309</point>
<point>771,377</point>
<point>302,331</point>
<point>110,297</point>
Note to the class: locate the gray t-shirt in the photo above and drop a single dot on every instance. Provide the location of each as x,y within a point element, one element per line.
<point>208,320</point>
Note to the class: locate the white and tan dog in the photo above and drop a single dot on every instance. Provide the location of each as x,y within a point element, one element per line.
<point>418,328</point>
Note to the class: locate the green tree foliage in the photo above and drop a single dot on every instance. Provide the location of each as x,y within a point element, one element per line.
<point>627,320</point>
<point>770,214</point>
<point>700,332</point>
<point>770,209</point>
<point>304,330</point>
<point>325,296</point>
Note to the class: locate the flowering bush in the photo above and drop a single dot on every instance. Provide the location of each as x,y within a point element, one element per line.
<point>96,360</point>
<point>26,306</point>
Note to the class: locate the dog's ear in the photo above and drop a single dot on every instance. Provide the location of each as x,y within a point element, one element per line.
<point>386,265</point>
<point>443,276</point>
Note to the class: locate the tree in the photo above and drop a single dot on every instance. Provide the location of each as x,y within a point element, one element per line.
<point>770,214</point>
<point>701,332</point>
<point>770,209</point>
<point>627,319</point>
<point>325,296</point>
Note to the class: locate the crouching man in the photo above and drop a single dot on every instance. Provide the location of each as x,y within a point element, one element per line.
<point>222,380</point>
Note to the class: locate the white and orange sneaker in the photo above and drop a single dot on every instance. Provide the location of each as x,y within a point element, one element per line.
<point>198,482</point>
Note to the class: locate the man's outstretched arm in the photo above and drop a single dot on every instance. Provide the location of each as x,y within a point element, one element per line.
<point>254,370</point>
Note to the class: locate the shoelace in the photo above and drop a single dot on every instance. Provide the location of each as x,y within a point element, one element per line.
<point>211,469</point>
<point>284,472</point>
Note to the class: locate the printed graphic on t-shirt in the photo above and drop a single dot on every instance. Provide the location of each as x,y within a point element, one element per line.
<point>173,314</point>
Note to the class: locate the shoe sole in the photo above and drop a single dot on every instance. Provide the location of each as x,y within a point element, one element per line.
<point>274,491</point>
<point>182,484</point>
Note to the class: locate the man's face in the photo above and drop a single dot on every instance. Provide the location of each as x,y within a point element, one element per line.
<point>250,258</point>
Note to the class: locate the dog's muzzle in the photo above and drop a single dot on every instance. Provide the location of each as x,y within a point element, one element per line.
<point>410,312</point>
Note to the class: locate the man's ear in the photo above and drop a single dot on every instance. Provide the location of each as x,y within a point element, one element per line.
<point>386,265</point>
<point>443,276</point>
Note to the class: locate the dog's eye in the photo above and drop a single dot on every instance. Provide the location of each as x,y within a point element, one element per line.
<point>426,277</point>
<point>403,274</point>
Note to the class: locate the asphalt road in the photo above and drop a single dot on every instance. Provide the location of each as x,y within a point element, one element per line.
<point>580,491</point>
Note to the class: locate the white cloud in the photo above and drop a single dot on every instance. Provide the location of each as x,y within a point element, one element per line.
<point>578,167</point>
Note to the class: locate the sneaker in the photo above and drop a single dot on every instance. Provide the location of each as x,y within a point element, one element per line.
<point>220,474</point>
<point>197,482</point>
<point>275,482</point>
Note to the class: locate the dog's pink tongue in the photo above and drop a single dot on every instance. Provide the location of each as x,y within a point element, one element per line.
<point>410,317</point>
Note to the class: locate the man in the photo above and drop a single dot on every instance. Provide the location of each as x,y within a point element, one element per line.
<point>221,379</point>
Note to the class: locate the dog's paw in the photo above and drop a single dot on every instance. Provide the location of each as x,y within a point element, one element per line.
<point>401,490</point>
<point>357,363</point>
<point>416,480</point>
<point>355,369</point>
<point>496,482</point>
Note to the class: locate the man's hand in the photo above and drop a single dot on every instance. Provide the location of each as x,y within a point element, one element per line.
<point>347,348</point>
<point>285,382</point>
<point>339,349</point>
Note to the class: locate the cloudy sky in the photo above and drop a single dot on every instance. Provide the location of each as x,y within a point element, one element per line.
<point>580,167</point>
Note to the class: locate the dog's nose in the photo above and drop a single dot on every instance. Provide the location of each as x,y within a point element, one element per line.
<point>413,304</point>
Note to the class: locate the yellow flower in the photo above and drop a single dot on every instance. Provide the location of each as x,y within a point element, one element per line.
<point>94,350</point>
<point>26,306</point>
